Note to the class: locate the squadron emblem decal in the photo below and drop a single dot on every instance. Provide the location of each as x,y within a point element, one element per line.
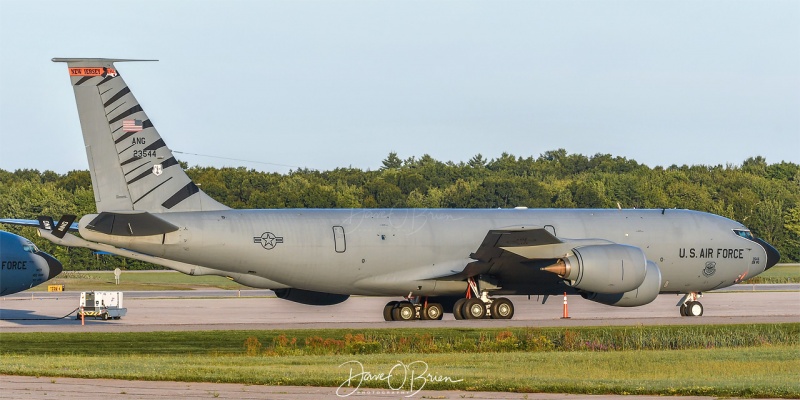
<point>710,269</point>
<point>268,240</point>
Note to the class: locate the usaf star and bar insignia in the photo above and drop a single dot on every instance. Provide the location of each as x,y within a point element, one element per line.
<point>268,240</point>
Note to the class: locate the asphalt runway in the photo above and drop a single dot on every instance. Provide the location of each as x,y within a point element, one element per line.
<point>256,309</point>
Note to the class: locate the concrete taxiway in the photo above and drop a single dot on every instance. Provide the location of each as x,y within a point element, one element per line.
<point>257,309</point>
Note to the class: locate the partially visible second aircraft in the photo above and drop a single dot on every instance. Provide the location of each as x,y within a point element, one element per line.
<point>23,265</point>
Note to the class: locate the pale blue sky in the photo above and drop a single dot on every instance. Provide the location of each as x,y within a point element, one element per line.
<point>326,84</point>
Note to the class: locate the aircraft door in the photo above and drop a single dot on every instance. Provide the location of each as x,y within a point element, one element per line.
<point>339,240</point>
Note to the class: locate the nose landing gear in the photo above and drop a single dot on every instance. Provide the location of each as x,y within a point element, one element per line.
<point>689,305</point>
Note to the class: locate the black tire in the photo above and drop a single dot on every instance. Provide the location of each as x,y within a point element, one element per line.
<point>404,311</point>
<point>694,309</point>
<point>387,310</point>
<point>474,309</point>
<point>433,311</point>
<point>502,308</point>
<point>458,309</point>
<point>441,313</point>
<point>683,310</point>
<point>105,317</point>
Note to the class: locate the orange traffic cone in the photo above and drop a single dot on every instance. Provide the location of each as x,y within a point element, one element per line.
<point>566,310</point>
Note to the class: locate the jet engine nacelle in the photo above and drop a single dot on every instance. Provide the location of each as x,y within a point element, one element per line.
<point>310,297</point>
<point>612,268</point>
<point>644,294</point>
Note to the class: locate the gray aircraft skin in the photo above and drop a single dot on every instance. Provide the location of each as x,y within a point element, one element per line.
<point>23,265</point>
<point>149,209</point>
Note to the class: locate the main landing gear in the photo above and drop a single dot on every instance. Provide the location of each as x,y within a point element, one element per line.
<point>412,309</point>
<point>690,307</point>
<point>483,307</point>
<point>477,305</point>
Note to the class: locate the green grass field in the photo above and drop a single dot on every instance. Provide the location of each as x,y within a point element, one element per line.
<point>749,372</point>
<point>735,360</point>
<point>781,273</point>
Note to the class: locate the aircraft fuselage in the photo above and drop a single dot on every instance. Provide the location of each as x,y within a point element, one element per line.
<point>395,251</point>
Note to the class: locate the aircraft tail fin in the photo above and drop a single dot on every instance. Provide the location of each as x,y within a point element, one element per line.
<point>130,165</point>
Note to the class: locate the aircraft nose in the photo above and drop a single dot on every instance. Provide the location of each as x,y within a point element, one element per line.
<point>55,265</point>
<point>773,256</point>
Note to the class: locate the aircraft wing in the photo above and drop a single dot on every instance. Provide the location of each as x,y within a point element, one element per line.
<point>515,251</point>
<point>498,241</point>
<point>501,247</point>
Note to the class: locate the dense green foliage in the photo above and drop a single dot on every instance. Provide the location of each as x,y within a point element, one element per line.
<point>765,197</point>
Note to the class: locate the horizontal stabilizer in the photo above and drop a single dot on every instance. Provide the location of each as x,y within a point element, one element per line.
<point>46,222</point>
<point>62,226</point>
<point>43,222</point>
<point>130,224</point>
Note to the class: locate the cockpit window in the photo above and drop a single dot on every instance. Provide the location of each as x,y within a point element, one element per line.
<point>743,233</point>
<point>30,248</point>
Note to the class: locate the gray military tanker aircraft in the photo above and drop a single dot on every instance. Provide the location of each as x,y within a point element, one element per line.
<point>437,260</point>
<point>23,265</point>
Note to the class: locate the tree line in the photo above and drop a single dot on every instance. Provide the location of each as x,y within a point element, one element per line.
<point>765,197</point>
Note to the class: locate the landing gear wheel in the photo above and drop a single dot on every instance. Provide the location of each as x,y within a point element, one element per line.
<point>502,308</point>
<point>387,310</point>
<point>404,311</point>
<point>683,310</point>
<point>105,317</point>
<point>433,311</point>
<point>458,308</point>
<point>694,309</point>
<point>474,309</point>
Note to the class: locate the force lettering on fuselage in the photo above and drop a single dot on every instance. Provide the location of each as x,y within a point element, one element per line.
<point>12,265</point>
<point>711,253</point>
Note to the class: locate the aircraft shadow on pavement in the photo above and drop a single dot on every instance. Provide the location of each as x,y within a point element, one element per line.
<point>31,317</point>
